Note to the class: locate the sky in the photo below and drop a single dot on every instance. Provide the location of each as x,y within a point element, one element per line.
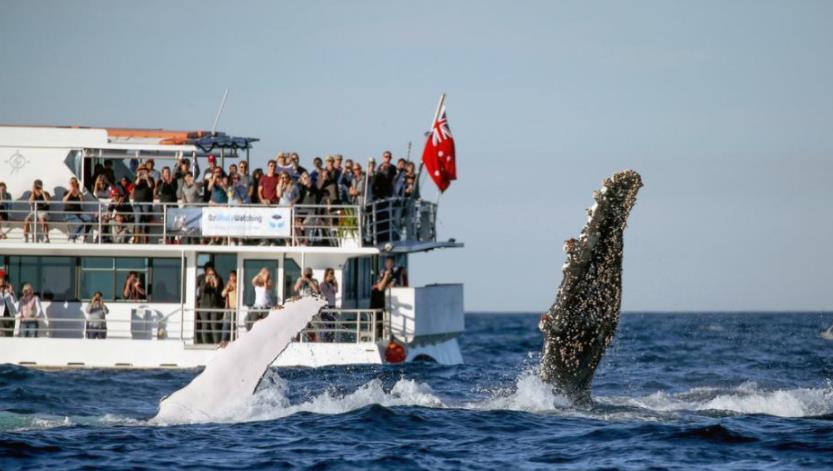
<point>725,108</point>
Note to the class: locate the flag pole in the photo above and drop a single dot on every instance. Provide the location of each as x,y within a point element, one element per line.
<point>436,117</point>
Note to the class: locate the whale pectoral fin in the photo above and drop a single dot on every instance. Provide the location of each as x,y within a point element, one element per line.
<point>580,325</point>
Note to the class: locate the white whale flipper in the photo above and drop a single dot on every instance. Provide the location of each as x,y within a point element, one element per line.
<point>236,370</point>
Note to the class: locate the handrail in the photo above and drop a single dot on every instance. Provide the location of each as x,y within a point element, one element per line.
<point>380,221</point>
<point>329,326</point>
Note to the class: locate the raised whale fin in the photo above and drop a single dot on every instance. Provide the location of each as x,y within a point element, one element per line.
<point>580,324</point>
<point>235,372</point>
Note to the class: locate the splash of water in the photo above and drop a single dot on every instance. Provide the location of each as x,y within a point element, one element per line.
<point>747,398</point>
<point>527,394</point>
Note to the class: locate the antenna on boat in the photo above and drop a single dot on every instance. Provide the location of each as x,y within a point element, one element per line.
<point>219,112</point>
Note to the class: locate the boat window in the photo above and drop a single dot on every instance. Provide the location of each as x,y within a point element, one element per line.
<point>132,263</point>
<point>108,274</point>
<point>250,269</point>
<point>95,280</point>
<point>161,276</point>
<point>77,278</point>
<point>53,278</point>
<point>291,273</point>
<point>166,280</point>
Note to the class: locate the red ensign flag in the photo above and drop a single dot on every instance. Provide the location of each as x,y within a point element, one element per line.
<point>438,155</point>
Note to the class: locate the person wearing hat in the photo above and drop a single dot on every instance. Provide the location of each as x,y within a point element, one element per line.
<point>355,192</point>
<point>38,205</point>
<point>284,166</point>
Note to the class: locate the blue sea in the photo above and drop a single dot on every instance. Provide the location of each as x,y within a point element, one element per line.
<point>675,391</point>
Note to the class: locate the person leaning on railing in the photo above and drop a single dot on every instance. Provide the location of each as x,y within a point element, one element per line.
<point>77,219</point>
<point>218,187</point>
<point>188,192</point>
<point>118,218</point>
<point>38,205</point>
<point>5,203</point>
<point>237,192</point>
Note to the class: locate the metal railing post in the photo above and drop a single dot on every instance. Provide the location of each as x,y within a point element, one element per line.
<point>292,226</point>
<point>164,223</point>
<point>100,229</point>
<point>359,224</point>
<point>35,222</point>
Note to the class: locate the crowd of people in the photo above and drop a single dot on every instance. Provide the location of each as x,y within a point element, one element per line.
<point>130,215</point>
<point>216,302</point>
<point>216,320</point>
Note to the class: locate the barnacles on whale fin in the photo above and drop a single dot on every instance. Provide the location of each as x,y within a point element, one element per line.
<point>581,323</point>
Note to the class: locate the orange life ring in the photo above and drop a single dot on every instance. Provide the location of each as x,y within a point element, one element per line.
<point>395,352</point>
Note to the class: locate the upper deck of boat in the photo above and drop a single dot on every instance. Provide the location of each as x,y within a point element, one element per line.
<point>53,155</point>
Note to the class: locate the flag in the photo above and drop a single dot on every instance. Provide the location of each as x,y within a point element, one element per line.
<point>438,156</point>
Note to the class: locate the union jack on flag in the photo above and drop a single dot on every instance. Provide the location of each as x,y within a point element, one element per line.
<point>439,154</point>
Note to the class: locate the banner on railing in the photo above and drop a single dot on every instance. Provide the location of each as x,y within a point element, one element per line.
<point>230,222</point>
<point>247,222</point>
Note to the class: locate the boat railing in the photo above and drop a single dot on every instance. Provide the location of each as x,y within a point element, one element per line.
<point>102,222</point>
<point>210,327</point>
<point>202,327</point>
<point>143,324</point>
<point>105,222</point>
<point>392,220</point>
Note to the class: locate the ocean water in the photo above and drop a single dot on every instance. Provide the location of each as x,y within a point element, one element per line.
<point>675,391</point>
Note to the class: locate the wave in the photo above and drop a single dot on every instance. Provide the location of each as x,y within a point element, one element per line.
<point>271,402</point>
<point>527,394</point>
<point>530,394</point>
<point>747,398</point>
<point>16,422</point>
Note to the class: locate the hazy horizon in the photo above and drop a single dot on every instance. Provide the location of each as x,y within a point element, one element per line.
<point>724,108</point>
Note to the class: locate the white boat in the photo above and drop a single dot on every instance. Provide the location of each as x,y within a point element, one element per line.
<point>166,328</point>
